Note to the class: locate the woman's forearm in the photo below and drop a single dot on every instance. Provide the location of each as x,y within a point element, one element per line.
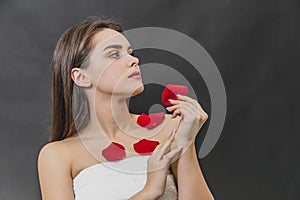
<point>190,181</point>
<point>144,194</point>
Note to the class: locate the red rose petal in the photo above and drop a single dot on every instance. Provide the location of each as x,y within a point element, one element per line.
<point>156,119</point>
<point>171,91</point>
<point>114,151</point>
<point>143,120</point>
<point>145,146</point>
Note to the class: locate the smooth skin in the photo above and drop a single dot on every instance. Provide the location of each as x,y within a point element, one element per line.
<point>55,166</point>
<point>157,170</point>
<point>187,172</point>
<point>106,75</point>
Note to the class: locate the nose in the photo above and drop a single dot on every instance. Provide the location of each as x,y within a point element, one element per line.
<point>134,61</point>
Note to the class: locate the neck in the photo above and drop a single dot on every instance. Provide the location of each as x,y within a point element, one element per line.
<point>110,116</point>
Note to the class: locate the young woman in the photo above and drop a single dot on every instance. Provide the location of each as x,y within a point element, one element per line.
<point>93,135</point>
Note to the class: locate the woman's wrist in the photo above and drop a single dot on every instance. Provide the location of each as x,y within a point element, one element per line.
<point>146,194</point>
<point>150,193</point>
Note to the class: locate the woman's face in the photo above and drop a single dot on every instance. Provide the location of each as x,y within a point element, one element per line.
<point>110,64</point>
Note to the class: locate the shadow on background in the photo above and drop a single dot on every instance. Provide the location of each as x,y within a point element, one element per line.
<point>255,45</point>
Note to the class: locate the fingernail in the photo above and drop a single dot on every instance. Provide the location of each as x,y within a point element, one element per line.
<point>172,132</point>
<point>171,100</point>
<point>178,95</point>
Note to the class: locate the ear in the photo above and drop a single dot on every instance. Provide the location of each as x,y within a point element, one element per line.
<point>79,77</point>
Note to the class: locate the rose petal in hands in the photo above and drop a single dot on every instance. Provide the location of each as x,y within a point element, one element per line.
<point>179,106</point>
<point>192,118</point>
<point>175,108</point>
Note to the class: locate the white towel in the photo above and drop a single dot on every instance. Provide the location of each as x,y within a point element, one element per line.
<point>118,180</point>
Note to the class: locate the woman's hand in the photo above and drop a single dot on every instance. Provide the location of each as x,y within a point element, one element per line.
<point>158,165</point>
<point>192,119</point>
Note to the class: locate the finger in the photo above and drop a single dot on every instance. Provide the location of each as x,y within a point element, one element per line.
<point>184,109</point>
<point>160,152</point>
<point>172,101</point>
<point>171,108</point>
<point>180,103</point>
<point>166,147</point>
<point>169,156</point>
<point>184,98</point>
<point>190,100</point>
<point>189,109</point>
<point>176,112</point>
<point>187,99</point>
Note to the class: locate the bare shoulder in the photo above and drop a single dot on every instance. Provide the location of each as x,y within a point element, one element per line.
<point>54,156</point>
<point>54,152</point>
<point>54,167</point>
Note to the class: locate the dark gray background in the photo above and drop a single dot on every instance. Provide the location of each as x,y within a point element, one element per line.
<point>255,45</point>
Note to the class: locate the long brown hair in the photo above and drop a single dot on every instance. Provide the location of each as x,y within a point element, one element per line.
<point>69,104</point>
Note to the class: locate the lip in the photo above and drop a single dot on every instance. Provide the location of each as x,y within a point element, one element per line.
<point>135,74</point>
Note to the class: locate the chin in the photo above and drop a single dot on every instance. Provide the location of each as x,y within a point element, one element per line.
<point>138,91</point>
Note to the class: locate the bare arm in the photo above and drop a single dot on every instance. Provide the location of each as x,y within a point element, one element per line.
<point>157,169</point>
<point>188,175</point>
<point>144,194</point>
<point>54,173</point>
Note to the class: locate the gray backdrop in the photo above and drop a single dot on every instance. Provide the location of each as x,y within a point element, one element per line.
<point>255,45</point>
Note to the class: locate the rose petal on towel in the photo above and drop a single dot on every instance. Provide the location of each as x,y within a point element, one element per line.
<point>114,151</point>
<point>156,119</point>
<point>171,91</point>
<point>143,120</point>
<point>145,146</point>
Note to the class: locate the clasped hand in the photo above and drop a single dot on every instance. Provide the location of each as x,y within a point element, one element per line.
<point>192,119</point>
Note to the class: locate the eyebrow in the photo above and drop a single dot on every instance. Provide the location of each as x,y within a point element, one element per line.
<point>115,46</point>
